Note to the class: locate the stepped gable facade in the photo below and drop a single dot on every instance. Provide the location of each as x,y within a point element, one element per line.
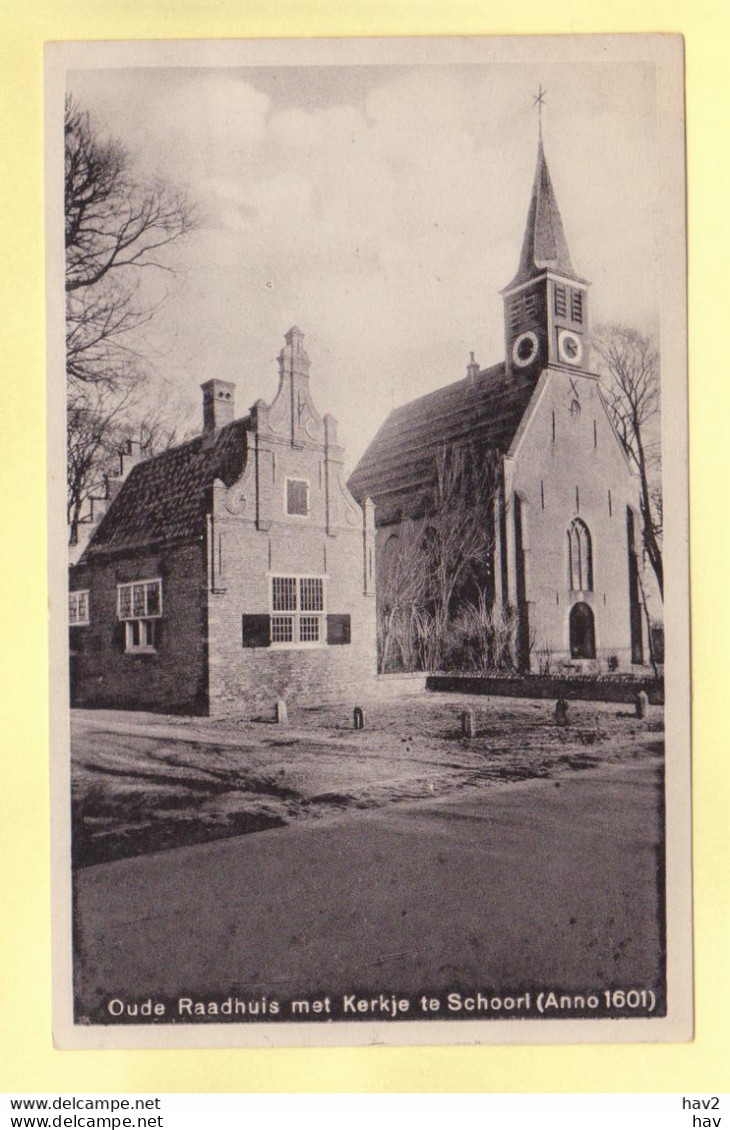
<point>231,571</point>
<point>566,525</point>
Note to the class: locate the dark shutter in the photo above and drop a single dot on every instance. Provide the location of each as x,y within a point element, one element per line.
<point>75,640</point>
<point>256,631</point>
<point>338,628</point>
<point>119,640</point>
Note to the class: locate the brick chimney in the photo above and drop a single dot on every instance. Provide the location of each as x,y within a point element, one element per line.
<point>218,405</point>
<point>472,369</point>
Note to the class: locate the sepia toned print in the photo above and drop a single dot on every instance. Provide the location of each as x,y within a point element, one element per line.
<point>365,356</point>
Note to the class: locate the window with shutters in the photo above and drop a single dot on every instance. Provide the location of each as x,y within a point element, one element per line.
<point>561,302</point>
<point>298,611</point>
<point>139,606</point>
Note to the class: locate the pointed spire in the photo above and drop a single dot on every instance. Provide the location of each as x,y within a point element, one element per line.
<point>544,246</point>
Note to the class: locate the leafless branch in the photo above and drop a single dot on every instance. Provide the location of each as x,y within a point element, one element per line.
<point>631,389</point>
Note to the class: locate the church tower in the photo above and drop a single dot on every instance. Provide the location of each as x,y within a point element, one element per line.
<point>546,304</point>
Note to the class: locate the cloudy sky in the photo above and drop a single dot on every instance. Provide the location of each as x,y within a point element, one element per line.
<point>381,209</point>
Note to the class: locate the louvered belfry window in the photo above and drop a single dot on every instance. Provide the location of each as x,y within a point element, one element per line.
<point>576,305</point>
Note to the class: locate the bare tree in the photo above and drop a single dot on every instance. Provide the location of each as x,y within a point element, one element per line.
<point>631,387</point>
<point>402,583</point>
<point>113,222</point>
<point>99,421</point>
<point>93,434</point>
<point>459,535</point>
<point>116,227</point>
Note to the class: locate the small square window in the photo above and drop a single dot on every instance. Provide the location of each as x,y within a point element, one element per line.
<point>282,629</point>
<point>140,635</point>
<point>303,599</point>
<point>283,594</point>
<point>309,629</point>
<point>139,599</point>
<point>78,608</point>
<point>139,606</point>
<point>297,497</point>
<point>125,602</point>
<point>312,594</point>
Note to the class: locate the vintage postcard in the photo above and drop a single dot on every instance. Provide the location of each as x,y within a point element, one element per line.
<point>369,565</point>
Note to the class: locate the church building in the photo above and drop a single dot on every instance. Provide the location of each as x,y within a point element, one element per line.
<point>231,571</point>
<point>566,522</point>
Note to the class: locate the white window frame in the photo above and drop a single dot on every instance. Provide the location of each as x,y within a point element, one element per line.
<point>299,616</point>
<point>580,557</point>
<point>145,630</point>
<point>297,479</point>
<point>74,619</point>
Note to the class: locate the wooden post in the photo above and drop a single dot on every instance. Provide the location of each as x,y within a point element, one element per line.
<point>468,725</point>
<point>561,712</point>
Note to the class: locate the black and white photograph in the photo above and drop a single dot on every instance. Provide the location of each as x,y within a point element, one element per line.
<point>368,542</point>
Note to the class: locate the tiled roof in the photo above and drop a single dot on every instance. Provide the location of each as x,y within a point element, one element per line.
<point>544,246</point>
<point>398,466</point>
<point>164,499</point>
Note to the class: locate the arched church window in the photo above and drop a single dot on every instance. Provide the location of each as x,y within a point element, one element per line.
<point>582,632</point>
<point>580,557</point>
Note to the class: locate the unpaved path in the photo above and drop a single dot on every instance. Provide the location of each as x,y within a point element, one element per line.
<point>144,782</point>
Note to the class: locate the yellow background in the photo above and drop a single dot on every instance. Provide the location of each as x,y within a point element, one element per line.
<point>28,1062</point>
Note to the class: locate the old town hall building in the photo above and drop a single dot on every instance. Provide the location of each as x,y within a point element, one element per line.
<point>566,522</point>
<point>231,571</point>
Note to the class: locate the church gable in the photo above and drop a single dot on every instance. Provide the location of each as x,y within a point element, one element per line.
<point>568,483</point>
<point>566,431</point>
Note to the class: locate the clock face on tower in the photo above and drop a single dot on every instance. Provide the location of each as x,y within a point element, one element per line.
<point>524,350</point>
<point>570,347</point>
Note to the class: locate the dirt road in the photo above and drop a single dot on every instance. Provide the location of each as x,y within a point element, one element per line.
<point>546,882</point>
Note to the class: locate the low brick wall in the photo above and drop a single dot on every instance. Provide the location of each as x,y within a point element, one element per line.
<point>546,686</point>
